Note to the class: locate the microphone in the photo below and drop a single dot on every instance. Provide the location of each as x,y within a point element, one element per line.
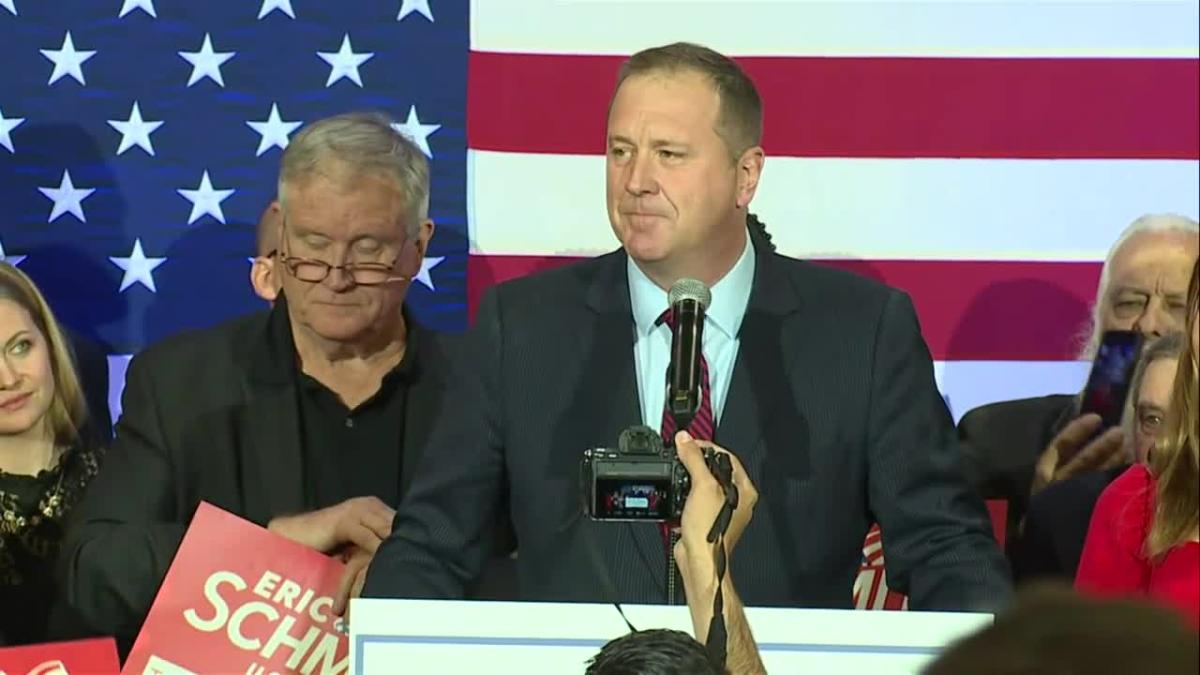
<point>689,298</point>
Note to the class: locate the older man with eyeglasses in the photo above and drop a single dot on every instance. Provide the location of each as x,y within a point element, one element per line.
<point>304,418</point>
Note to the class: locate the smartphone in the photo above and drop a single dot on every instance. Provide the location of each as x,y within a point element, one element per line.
<point>1108,383</point>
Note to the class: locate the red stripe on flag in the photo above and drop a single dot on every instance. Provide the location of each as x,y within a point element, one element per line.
<point>1058,108</point>
<point>969,310</point>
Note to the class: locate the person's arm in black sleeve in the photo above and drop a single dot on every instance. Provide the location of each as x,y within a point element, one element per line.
<point>126,529</point>
<point>443,530</point>
<point>936,533</point>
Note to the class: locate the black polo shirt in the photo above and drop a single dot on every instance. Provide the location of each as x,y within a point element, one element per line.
<point>355,453</point>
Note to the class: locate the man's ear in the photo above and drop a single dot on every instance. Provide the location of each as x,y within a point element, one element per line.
<point>263,278</point>
<point>424,234</point>
<point>749,171</point>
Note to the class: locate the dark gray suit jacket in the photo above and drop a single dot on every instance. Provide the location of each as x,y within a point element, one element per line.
<point>91,362</point>
<point>832,408</point>
<point>1056,525</point>
<point>1001,443</point>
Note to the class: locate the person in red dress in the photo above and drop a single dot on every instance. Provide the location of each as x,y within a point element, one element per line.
<point>1144,537</point>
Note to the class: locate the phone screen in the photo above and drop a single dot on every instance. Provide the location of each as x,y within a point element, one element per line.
<point>1108,384</point>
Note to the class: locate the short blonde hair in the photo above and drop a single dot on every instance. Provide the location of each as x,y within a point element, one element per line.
<point>68,410</point>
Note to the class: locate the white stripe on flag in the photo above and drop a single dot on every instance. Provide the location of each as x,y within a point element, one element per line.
<point>876,209</point>
<point>970,384</point>
<point>841,28</point>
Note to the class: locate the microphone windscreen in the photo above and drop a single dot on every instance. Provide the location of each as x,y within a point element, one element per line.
<point>689,289</point>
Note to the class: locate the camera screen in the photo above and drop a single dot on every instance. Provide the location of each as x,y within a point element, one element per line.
<point>632,499</point>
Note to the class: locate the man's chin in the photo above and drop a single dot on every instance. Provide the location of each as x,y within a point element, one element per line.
<point>646,249</point>
<point>347,331</point>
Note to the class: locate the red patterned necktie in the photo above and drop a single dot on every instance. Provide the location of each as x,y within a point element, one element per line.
<point>701,427</point>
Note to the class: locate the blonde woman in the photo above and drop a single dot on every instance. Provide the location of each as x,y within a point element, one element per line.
<point>44,465</point>
<point>1144,537</point>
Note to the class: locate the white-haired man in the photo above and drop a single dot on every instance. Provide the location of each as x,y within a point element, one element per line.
<point>304,418</point>
<point>1014,449</point>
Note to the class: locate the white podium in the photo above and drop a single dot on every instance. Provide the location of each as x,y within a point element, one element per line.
<point>424,636</point>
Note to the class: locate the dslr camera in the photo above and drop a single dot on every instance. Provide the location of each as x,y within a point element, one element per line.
<point>639,480</point>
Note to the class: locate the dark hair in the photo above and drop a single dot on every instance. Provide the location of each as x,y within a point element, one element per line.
<point>758,233</point>
<point>654,652</point>
<point>740,121</point>
<point>1054,631</point>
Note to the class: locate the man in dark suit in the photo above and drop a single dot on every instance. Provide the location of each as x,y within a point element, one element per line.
<point>819,382</point>
<point>1015,449</point>
<point>304,419</point>
<point>1001,443</point>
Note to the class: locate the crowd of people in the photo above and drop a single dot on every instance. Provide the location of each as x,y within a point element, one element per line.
<point>446,466</point>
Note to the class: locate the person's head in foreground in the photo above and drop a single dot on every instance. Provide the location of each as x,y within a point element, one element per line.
<point>654,652</point>
<point>1054,631</point>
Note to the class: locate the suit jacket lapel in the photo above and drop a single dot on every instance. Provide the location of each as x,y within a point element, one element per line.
<point>423,404</point>
<point>611,379</point>
<point>609,397</point>
<point>760,381</point>
<point>271,458</point>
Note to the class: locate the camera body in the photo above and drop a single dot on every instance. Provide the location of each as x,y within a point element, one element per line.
<point>640,480</point>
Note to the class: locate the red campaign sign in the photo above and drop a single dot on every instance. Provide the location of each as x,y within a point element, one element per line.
<point>239,599</point>
<point>97,657</point>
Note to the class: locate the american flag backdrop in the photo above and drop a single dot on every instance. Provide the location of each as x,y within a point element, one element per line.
<point>980,155</point>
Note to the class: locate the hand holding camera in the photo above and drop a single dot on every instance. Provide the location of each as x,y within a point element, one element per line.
<point>694,551</point>
<point>639,480</point>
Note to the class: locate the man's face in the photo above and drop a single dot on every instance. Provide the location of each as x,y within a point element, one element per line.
<point>1150,408</point>
<point>1148,280</point>
<point>342,219</point>
<point>671,181</point>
